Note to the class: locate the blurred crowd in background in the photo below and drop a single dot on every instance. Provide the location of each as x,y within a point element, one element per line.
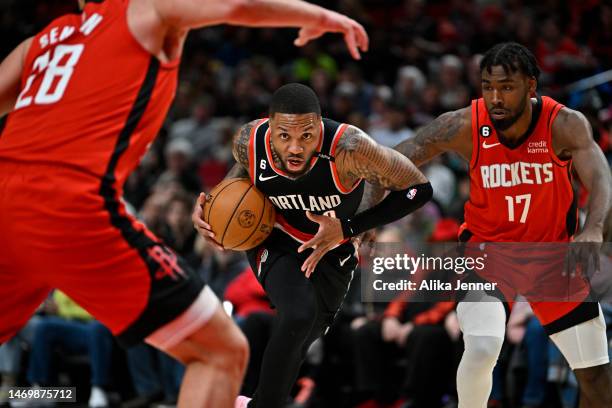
<point>423,60</point>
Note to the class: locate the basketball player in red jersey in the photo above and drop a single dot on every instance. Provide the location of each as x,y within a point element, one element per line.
<point>520,148</point>
<point>85,97</point>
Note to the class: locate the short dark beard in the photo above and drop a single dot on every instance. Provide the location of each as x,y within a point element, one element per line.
<point>278,162</point>
<point>307,168</point>
<point>505,124</point>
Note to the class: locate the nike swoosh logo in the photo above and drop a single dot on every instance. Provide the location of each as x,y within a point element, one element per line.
<point>262,178</point>
<point>343,261</point>
<point>488,146</point>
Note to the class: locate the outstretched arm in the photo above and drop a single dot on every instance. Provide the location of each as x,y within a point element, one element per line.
<point>573,138</point>
<point>359,157</point>
<point>313,21</point>
<point>10,76</point>
<point>450,131</point>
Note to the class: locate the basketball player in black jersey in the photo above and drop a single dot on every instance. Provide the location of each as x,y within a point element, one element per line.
<point>313,170</point>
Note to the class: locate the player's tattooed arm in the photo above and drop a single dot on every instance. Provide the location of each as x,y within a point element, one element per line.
<point>450,131</point>
<point>240,148</point>
<point>358,156</point>
<point>240,151</point>
<point>572,138</point>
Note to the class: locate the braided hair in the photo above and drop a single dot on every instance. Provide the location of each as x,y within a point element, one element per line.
<point>512,57</point>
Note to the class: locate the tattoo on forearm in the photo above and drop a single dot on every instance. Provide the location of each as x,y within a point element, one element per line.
<point>430,139</point>
<point>358,156</point>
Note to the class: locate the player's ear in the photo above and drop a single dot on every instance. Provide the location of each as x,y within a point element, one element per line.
<point>532,84</point>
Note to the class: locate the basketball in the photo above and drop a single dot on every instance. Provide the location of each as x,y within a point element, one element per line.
<point>240,215</point>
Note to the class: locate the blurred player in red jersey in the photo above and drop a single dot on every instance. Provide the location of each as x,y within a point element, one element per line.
<point>520,148</point>
<point>85,97</point>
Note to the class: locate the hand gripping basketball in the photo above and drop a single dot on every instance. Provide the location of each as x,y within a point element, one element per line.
<point>234,215</point>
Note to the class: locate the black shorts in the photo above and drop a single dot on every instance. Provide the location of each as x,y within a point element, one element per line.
<point>331,278</point>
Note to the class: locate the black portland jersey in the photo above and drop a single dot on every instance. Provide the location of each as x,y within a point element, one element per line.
<point>318,191</point>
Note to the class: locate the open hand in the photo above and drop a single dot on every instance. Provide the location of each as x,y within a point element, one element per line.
<point>355,35</point>
<point>584,249</point>
<point>327,237</point>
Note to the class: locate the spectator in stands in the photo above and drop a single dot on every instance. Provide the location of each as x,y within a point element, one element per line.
<point>413,332</point>
<point>180,233</point>
<point>179,154</point>
<point>155,376</point>
<point>453,92</point>
<point>408,87</point>
<point>559,55</point>
<point>218,268</point>
<point>393,128</point>
<point>600,39</point>
<point>72,331</point>
<point>12,352</point>
<point>200,129</point>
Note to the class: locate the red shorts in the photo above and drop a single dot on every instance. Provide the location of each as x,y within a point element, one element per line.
<point>535,271</point>
<point>61,230</point>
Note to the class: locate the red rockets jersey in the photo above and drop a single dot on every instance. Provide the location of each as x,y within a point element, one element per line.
<point>522,194</point>
<point>91,98</point>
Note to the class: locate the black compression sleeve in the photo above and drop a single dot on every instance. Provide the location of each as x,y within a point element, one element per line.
<point>396,205</point>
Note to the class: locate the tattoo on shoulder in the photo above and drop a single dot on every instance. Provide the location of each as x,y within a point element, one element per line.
<point>241,143</point>
<point>349,141</point>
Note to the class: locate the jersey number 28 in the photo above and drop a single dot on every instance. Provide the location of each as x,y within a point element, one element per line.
<point>57,65</point>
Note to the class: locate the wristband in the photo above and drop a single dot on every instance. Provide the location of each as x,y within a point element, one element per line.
<point>396,205</point>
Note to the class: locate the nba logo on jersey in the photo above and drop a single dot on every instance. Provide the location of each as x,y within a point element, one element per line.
<point>411,194</point>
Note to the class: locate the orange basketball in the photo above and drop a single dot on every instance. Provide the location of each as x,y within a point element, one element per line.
<point>240,215</point>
